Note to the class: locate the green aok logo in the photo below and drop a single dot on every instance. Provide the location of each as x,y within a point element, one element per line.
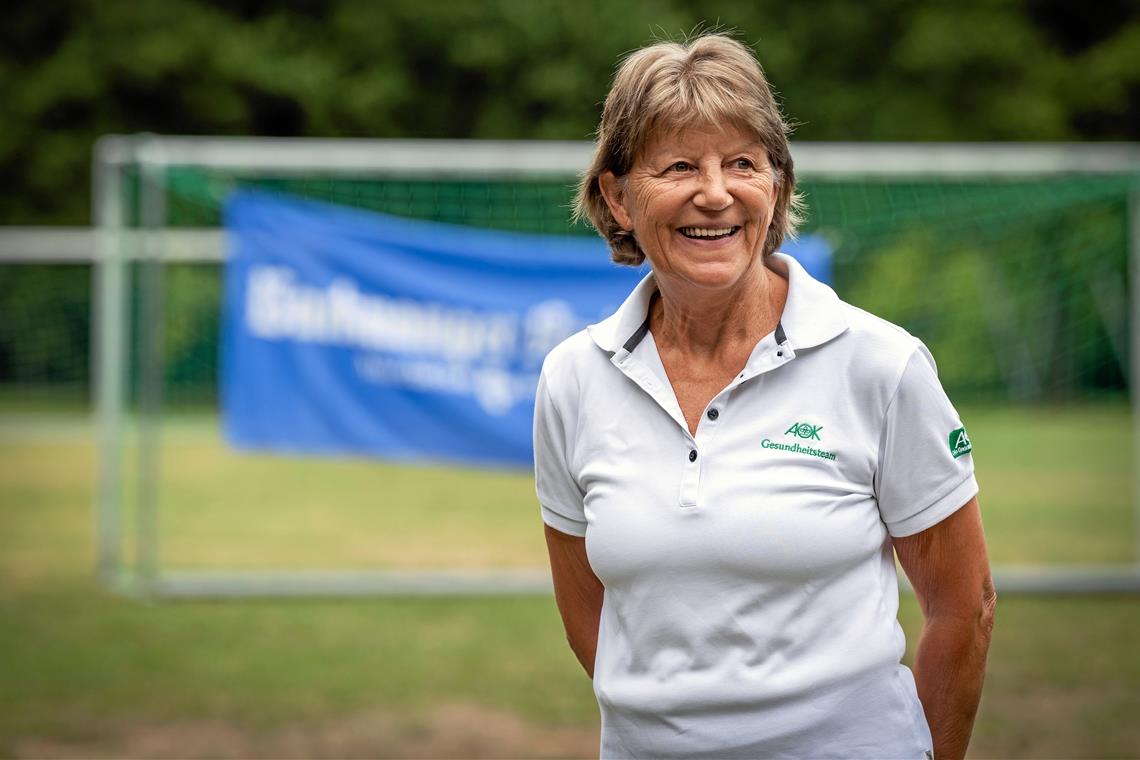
<point>804,430</point>
<point>960,443</point>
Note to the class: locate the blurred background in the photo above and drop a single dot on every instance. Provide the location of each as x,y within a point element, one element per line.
<point>1018,284</point>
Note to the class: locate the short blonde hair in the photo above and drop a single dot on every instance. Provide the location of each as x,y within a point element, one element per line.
<point>709,80</point>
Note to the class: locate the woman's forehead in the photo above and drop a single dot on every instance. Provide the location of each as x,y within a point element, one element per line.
<point>702,138</point>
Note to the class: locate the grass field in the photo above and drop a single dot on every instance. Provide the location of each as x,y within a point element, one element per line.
<point>85,673</point>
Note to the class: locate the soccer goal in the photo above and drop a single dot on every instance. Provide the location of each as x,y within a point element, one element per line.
<point>1012,262</point>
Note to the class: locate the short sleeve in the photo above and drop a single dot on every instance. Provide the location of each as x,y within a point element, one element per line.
<point>559,496</point>
<point>926,469</point>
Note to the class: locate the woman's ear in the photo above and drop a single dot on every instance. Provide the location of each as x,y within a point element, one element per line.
<point>614,193</point>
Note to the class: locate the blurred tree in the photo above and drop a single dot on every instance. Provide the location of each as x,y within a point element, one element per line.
<point>71,70</point>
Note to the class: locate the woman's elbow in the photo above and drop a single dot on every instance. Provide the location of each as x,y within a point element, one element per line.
<point>987,613</point>
<point>989,603</point>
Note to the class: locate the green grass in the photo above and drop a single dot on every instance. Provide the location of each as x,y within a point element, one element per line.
<point>1055,484</point>
<point>83,672</point>
<point>1055,488</point>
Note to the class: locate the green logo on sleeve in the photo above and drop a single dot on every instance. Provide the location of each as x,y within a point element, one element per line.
<point>960,443</point>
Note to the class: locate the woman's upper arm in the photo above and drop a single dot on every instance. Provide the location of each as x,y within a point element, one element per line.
<point>576,588</point>
<point>947,563</point>
<point>577,591</point>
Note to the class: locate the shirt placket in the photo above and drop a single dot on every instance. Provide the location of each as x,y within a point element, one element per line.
<point>706,429</point>
<point>764,359</point>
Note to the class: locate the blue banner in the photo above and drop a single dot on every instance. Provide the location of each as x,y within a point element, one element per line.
<point>352,332</point>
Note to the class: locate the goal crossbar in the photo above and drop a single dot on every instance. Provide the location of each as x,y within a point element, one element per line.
<point>499,158</point>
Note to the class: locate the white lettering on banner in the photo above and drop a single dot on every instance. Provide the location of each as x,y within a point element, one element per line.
<point>470,348</point>
<point>278,308</point>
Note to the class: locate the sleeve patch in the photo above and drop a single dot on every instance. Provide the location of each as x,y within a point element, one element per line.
<point>960,443</point>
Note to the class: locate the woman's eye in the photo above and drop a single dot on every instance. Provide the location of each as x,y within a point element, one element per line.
<point>680,166</point>
<point>744,164</point>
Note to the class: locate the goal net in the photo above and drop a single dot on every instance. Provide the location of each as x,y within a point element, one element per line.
<point>1010,262</point>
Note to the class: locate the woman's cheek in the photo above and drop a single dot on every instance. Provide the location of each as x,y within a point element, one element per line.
<point>645,192</point>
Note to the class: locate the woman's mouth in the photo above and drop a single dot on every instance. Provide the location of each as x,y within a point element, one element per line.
<point>708,233</point>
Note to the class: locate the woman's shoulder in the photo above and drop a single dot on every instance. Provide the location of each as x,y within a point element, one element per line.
<point>574,357</point>
<point>880,351</point>
<point>872,332</point>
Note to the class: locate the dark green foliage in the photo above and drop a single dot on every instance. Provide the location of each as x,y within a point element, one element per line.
<point>45,325</point>
<point>71,70</point>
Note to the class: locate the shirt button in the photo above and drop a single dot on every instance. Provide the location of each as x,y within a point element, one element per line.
<point>693,455</point>
<point>713,414</point>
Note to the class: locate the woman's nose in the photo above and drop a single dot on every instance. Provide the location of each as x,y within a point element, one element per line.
<point>713,193</point>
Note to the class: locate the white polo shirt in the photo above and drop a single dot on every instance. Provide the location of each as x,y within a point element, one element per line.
<point>750,589</point>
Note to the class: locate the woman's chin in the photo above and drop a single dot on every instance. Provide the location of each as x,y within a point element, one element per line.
<point>718,276</point>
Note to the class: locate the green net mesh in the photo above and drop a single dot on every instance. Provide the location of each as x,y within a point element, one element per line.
<point>1019,287</point>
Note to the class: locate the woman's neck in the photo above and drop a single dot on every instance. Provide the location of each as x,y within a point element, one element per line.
<point>709,324</point>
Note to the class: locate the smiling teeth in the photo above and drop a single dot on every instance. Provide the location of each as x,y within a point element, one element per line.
<point>706,232</point>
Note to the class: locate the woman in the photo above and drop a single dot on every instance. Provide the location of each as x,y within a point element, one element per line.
<point>725,465</point>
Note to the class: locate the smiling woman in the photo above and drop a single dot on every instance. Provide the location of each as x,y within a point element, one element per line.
<point>732,590</point>
<point>660,96</point>
<point>700,203</point>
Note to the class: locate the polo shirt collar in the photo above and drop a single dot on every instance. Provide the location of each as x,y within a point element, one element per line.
<point>627,325</point>
<point>813,313</point>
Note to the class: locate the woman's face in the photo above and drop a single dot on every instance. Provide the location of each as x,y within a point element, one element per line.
<point>699,202</point>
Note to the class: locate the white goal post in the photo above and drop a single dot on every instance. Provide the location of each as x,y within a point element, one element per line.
<point>151,243</point>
